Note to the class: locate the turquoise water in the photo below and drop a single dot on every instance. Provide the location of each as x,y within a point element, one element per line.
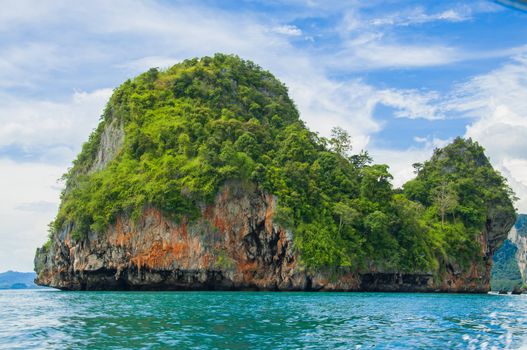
<point>240,320</point>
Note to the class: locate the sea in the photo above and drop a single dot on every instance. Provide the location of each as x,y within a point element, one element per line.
<point>49,319</point>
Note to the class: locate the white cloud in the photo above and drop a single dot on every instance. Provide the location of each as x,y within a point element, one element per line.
<point>408,16</point>
<point>370,42</point>
<point>367,46</point>
<point>498,102</point>
<point>419,16</point>
<point>400,161</point>
<point>287,29</point>
<point>16,12</point>
<point>381,54</point>
<point>324,103</point>
<point>517,168</point>
<point>30,192</point>
<point>25,186</point>
<point>412,104</point>
<point>39,206</point>
<point>23,64</point>
<point>369,51</point>
<point>50,129</point>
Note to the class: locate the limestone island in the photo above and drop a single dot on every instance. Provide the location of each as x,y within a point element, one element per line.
<point>202,176</point>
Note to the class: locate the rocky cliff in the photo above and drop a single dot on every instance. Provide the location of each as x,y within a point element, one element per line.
<point>203,177</point>
<point>518,236</point>
<point>510,261</point>
<point>233,246</point>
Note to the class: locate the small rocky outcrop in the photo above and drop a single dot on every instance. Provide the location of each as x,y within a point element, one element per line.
<point>517,290</point>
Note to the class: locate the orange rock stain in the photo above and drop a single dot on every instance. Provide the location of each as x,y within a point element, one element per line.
<point>269,215</point>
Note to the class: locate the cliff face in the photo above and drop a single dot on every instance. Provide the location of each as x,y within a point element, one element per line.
<point>111,142</point>
<point>519,239</point>
<point>521,254</point>
<point>498,228</point>
<point>510,261</point>
<point>234,246</point>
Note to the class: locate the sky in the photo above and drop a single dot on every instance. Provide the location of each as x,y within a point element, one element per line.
<point>402,77</point>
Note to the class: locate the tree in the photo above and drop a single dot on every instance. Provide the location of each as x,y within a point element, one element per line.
<point>340,141</point>
<point>346,214</point>
<point>184,144</point>
<point>417,168</point>
<point>375,184</point>
<point>361,160</point>
<point>445,199</point>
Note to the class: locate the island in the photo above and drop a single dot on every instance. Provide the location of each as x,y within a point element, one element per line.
<point>202,176</point>
<point>17,280</point>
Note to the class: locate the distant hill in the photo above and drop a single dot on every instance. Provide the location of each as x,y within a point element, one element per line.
<point>505,271</point>
<point>510,261</point>
<point>521,225</point>
<point>17,280</point>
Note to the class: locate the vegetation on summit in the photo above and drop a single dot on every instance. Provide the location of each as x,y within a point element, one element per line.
<point>200,123</point>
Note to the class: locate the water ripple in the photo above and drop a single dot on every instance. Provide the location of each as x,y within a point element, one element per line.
<point>218,320</point>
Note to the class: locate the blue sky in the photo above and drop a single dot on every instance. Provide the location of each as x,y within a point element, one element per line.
<point>402,77</point>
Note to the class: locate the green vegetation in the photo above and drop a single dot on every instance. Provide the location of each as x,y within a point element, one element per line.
<point>192,127</point>
<point>461,191</point>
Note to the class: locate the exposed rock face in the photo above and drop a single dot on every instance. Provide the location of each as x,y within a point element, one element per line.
<point>233,246</point>
<point>112,139</point>
<point>497,229</point>
<point>520,241</point>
